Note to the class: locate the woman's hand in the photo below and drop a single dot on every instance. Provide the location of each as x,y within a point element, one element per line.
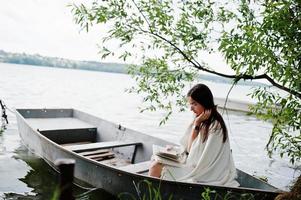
<point>202,117</point>
<point>197,122</point>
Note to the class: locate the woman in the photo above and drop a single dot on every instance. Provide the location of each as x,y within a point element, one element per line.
<point>207,144</point>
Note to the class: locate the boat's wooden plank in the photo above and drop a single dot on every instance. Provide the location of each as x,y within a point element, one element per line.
<point>115,162</point>
<point>110,161</point>
<point>137,168</point>
<point>86,153</point>
<point>100,145</point>
<point>102,155</point>
<point>104,158</point>
<point>58,123</point>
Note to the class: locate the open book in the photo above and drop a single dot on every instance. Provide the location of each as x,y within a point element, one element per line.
<point>175,156</point>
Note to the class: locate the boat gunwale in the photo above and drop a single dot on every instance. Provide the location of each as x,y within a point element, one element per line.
<point>178,183</point>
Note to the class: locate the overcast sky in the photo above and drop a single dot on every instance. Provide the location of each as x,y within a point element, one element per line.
<point>46,27</point>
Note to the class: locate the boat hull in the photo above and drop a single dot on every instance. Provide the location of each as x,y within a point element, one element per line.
<point>112,179</point>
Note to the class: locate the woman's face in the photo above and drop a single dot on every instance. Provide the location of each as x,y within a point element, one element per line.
<point>195,106</point>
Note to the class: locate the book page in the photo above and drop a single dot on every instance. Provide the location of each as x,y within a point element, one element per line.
<point>176,157</point>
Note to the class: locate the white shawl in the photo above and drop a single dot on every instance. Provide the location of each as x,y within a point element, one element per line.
<point>210,162</point>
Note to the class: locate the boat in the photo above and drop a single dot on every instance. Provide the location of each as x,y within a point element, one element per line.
<point>115,158</point>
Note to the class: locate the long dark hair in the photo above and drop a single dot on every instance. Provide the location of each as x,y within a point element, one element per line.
<point>202,94</point>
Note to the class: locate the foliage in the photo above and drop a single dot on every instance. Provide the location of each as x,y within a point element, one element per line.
<point>56,194</point>
<point>147,191</point>
<point>158,83</point>
<point>271,44</point>
<point>2,127</point>
<point>259,40</point>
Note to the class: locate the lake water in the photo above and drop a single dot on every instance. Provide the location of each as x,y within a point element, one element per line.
<point>102,94</point>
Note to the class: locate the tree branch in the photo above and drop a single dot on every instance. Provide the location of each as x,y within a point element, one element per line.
<point>144,17</point>
<point>236,77</point>
<point>197,65</point>
<point>162,38</point>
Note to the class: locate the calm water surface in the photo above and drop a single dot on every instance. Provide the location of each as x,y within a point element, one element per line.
<point>24,176</point>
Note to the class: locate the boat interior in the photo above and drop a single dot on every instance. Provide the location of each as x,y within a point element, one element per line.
<point>73,133</point>
<point>83,138</point>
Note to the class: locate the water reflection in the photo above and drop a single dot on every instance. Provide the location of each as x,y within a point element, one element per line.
<point>43,180</point>
<point>2,127</point>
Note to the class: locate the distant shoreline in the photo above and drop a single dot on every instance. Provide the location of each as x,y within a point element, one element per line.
<point>38,60</point>
<point>45,61</point>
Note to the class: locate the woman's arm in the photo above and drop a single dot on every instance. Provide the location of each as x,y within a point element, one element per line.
<point>196,127</point>
<point>191,138</point>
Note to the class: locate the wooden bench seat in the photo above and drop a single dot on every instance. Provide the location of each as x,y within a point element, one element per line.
<point>137,168</point>
<point>100,145</point>
<point>103,156</point>
<point>115,162</point>
<point>93,152</point>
